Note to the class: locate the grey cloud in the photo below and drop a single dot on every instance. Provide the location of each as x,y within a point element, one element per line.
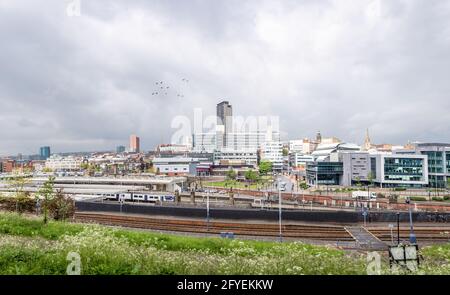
<point>86,83</point>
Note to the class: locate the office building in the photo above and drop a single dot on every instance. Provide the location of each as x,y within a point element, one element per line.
<point>134,144</point>
<point>399,170</point>
<point>299,160</point>
<point>324,173</point>
<point>356,167</point>
<point>225,119</point>
<point>44,152</point>
<point>438,162</point>
<point>272,151</point>
<point>59,163</point>
<point>247,157</point>
<point>324,152</point>
<point>176,166</point>
<point>120,149</point>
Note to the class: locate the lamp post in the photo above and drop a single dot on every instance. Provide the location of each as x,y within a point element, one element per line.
<point>207,212</point>
<point>391,226</point>
<point>279,209</point>
<point>412,235</point>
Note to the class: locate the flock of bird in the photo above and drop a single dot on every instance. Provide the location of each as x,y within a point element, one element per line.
<point>163,89</point>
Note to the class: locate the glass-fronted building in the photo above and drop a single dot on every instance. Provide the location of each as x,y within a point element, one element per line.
<point>44,152</point>
<point>400,170</point>
<point>438,163</point>
<point>324,173</point>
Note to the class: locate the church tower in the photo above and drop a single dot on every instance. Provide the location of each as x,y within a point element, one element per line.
<point>318,137</point>
<point>367,143</point>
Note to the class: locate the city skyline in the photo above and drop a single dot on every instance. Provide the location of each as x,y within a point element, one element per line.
<point>334,67</point>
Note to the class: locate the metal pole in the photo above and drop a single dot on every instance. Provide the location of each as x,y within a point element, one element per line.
<point>398,228</point>
<point>412,235</point>
<point>207,211</point>
<point>279,206</point>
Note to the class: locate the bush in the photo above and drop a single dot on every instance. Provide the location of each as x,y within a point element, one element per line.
<point>437,199</point>
<point>399,189</point>
<point>380,196</point>
<point>61,207</point>
<point>447,198</point>
<point>420,199</point>
<point>18,204</point>
<point>393,199</point>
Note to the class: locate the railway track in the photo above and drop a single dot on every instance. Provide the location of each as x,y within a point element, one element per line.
<point>313,232</point>
<point>429,234</point>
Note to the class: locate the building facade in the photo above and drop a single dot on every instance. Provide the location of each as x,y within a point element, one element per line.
<point>44,152</point>
<point>176,166</point>
<point>247,157</point>
<point>400,170</point>
<point>135,144</point>
<point>272,151</point>
<point>324,173</point>
<point>356,167</point>
<point>59,163</point>
<point>438,163</point>
<point>120,149</point>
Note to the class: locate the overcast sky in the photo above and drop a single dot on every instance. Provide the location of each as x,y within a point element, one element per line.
<point>82,83</point>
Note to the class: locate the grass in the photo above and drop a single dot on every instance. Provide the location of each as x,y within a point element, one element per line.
<point>27,246</point>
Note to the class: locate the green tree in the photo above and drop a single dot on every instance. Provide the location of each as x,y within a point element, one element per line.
<point>47,193</point>
<point>358,181</point>
<point>265,167</point>
<point>17,183</point>
<point>304,185</point>
<point>61,207</point>
<point>285,152</point>
<point>251,175</point>
<point>231,174</point>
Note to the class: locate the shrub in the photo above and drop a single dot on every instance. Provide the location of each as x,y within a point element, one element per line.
<point>61,207</point>
<point>399,189</point>
<point>393,199</point>
<point>19,204</point>
<point>420,199</point>
<point>437,199</point>
<point>380,196</point>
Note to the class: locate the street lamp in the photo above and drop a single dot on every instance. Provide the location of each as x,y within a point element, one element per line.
<point>391,226</point>
<point>412,235</point>
<point>279,209</point>
<point>207,211</point>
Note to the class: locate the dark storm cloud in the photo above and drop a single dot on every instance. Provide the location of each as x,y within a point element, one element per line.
<point>86,82</point>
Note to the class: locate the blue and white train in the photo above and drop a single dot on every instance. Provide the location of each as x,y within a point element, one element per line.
<point>140,197</point>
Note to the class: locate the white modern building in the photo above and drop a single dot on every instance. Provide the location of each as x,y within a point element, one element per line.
<point>323,152</point>
<point>249,156</point>
<point>57,162</point>
<point>297,159</point>
<point>176,166</point>
<point>400,170</point>
<point>272,151</point>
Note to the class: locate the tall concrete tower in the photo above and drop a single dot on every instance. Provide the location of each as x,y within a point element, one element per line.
<point>135,144</point>
<point>225,119</point>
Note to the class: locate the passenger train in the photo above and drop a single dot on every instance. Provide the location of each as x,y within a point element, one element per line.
<point>140,197</point>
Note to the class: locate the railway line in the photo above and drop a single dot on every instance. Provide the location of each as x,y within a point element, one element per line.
<point>313,232</point>
<point>424,234</point>
<point>334,233</point>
